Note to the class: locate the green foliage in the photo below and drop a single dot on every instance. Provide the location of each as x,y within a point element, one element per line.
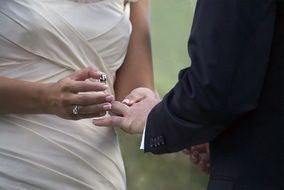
<point>171,22</point>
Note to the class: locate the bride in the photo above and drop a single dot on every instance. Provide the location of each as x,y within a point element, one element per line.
<point>52,58</point>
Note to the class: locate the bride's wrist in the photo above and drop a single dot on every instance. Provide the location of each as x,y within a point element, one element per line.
<point>44,98</point>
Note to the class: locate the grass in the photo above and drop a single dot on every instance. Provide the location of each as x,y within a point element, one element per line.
<point>171,22</point>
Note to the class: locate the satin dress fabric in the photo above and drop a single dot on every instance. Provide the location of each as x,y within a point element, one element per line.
<point>45,41</point>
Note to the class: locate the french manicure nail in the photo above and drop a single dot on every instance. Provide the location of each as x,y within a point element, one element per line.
<point>107,107</point>
<point>109,98</point>
<point>126,101</point>
<point>105,86</point>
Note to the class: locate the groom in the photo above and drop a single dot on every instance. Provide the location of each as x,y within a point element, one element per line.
<point>232,96</point>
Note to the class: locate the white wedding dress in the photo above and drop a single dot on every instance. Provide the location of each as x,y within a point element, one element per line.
<point>45,41</point>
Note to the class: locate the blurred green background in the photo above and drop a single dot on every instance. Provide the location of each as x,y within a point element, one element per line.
<point>171,22</point>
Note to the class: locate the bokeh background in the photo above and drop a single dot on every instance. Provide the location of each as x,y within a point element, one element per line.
<point>171,23</point>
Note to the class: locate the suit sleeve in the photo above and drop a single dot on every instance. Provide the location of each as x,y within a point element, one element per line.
<point>229,49</point>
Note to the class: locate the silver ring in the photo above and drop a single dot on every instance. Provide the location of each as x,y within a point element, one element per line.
<point>103,78</point>
<point>75,110</point>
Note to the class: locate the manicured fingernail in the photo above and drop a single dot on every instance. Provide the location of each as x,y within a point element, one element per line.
<point>109,98</point>
<point>105,86</point>
<point>126,101</point>
<point>107,107</point>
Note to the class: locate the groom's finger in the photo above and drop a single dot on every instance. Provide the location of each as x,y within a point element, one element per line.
<point>132,98</point>
<point>195,157</point>
<point>119,108</point>
<point>199,148</point>
<point>204,163</point>
<point>112,121</point>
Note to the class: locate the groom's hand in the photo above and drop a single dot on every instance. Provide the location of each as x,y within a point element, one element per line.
<point>131,119</point>
<point>138,94</point>
<point>200,156</point>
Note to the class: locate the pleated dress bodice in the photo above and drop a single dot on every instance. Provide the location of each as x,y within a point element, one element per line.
<point>45,41</point>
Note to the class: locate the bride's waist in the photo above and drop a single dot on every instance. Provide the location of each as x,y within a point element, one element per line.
<point>50,146</point>
<point>33,70</point>
<point>53,127</point>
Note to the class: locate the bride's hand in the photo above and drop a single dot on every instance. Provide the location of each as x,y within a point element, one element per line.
<point>138,94</point>
<point>89,96</point>
<point>200,156</point>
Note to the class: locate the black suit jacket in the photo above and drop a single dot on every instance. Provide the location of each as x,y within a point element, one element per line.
<point>231,96</point>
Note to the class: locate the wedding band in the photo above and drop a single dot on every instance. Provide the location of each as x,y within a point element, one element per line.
<point>75,110</point>
<point>103,78</point>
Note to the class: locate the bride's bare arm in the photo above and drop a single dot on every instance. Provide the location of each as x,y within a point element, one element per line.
<point>137,70</point>
<point>58,98</point>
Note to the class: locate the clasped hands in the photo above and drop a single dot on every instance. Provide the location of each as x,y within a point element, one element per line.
<point>83,89</point>
<point>131,114</point>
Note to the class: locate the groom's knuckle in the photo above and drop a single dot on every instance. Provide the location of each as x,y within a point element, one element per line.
<point>128,125</point>
<point>113,121</point>
<point>135,95</point>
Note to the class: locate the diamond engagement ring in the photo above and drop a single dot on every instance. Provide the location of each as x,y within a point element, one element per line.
<point>75,110</point>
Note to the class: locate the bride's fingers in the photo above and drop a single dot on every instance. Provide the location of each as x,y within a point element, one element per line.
<point>112,121</point>
<point>94,74</point>
<point>79,75</point>
<point>86,86</point>
<point>91,99</point>
<point>86,74</point>
<point>97,109</point>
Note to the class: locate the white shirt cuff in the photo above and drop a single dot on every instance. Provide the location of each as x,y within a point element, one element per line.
<point>143,139</point>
